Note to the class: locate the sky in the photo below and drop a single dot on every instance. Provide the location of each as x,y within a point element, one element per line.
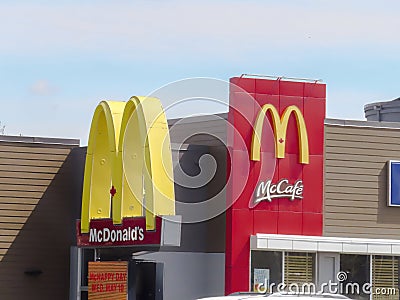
<point>59,59</point>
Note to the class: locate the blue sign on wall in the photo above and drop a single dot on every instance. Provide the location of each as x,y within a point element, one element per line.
<point>393,183</point>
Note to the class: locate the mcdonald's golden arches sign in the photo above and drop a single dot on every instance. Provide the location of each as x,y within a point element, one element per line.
<point>128,179</point>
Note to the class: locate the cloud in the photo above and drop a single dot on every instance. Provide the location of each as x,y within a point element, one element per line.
<point>42,88</point>
<point>201,27</point>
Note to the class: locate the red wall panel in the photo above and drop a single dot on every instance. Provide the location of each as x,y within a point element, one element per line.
<point>281,215</point>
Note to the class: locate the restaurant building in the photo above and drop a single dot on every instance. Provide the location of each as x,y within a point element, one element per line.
<point>271,194</point>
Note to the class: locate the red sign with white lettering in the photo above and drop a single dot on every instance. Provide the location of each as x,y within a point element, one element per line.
<point>275,168</point>
<point>132,232</point>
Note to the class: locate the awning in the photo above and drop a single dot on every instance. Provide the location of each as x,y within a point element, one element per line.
<point>324,244</point>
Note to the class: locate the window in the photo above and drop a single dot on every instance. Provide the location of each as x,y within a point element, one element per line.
<point>385,275</point>
<point>299,268</point>
<point>357,269</point>
<point>266,268</point>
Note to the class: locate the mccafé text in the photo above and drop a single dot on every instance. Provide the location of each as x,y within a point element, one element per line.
<point>266,190</point>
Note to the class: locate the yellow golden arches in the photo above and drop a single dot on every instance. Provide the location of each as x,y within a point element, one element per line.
<point>280,126</point>
<point>128,145</point>
<point>100,158</point>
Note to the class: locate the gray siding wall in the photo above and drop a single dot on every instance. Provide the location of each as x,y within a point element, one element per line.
<point>355,181</point>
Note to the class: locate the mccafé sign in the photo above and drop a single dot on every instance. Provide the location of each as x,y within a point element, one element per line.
<point>128,180</point>
<point>276,160</point>
<point>266,191</point>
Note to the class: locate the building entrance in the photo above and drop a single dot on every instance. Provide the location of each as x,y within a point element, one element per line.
<point>145,280</point>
